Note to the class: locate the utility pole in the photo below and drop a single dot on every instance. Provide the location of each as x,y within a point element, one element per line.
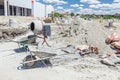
<point>32,1</point>
<point>45,10</point>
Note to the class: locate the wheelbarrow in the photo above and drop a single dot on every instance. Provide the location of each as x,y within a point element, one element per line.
<point>24,42</point>
<point>36,57</point>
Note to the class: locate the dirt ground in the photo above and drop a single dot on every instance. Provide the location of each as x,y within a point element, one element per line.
<point>69,66</point>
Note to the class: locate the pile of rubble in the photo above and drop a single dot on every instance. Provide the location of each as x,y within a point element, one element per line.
<point>6,33</point>
<point>10,27</point>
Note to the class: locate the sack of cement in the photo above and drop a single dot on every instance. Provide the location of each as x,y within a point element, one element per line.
<point>112,38</point>
<point>82,47</point>
<point>111,60</point>
<point>116,45</point>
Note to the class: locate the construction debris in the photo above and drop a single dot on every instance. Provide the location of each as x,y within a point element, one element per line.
<point>87,50</point>
<point>110,59</point>
<point>112,38</point>
<point>12,32</point>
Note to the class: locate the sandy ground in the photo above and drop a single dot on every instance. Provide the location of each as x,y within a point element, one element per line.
<point>84,68</point>
<point>65,67</point>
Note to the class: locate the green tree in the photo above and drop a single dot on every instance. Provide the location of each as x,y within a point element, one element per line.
<point>72,14</point>
<point>77,14</point>
<point>56,14</point>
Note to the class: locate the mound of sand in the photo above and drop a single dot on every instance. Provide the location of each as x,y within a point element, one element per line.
<point>65,67</point>
<point>87,33</point>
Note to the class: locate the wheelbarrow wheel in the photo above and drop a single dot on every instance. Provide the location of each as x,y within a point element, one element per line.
<point>30,58</point>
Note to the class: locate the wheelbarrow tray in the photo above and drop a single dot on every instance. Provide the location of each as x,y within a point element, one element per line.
<point>40,56</point>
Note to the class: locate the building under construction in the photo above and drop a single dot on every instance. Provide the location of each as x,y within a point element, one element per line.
<point>22,8</point>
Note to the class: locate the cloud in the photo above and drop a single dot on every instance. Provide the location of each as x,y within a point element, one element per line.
<point>68,10</point>
<point>81,5</point>
<point>110,12</point>
<point>74,5</point>
<point>86,11</point>
<point>99,6</point>
<point>90,1</point>
<point>106,6</point>
<point>92,11</point>
<point>59,7</point>
<point>80,8</point>
<point>117,1</point>
<point>55,1</point>
<point>101,9</point>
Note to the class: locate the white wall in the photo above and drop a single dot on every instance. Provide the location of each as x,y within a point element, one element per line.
<point>22,3</point>
<point>39,9</point>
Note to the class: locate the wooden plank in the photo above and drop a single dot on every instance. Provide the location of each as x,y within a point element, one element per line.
<point>24,62</point>
<point>42,54</point>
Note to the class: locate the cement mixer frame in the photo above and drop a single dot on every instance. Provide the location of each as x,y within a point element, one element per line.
<point>29,40</point>
<point>37,27</point>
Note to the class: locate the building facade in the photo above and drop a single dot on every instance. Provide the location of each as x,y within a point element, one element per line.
<point>23,8</point>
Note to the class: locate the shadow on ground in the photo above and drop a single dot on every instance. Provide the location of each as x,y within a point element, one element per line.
<point>20,50</point>
<point>37,64</point>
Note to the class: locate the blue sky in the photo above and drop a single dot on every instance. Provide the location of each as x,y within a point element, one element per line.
<point>85,6</point>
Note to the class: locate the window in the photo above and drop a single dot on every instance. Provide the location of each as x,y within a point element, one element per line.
<point>28,12</point>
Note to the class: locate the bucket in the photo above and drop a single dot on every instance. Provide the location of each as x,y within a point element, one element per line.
<point>12,23</point>
<point>110,24</point>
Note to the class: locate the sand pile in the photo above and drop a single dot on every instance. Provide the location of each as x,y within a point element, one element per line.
<point>88,33</point>
<point>65,66</point>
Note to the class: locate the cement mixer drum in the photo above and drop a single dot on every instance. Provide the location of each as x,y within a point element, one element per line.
<point>36,27</point>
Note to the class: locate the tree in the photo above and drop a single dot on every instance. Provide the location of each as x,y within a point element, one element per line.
<point>72,14</point>
<point>77,14</point>
<point>56,14</point>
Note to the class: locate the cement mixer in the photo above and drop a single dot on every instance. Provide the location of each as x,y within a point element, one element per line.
<point>38,27</point>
